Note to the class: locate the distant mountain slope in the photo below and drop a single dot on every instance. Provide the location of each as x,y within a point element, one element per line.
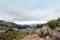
<point>22,25</point>
<point>14,25</point>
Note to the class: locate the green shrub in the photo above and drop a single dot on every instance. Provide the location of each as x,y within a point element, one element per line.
<point>52,24</point>
<point>39,25</point>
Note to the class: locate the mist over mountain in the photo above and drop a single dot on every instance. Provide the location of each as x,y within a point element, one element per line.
<point>32,24</point>
<point>22,25</point>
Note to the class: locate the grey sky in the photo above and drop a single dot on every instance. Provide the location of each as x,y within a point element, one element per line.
<point>27,10</point>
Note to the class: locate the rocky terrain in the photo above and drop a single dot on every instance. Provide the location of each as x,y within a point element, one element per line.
<point>46,33</point>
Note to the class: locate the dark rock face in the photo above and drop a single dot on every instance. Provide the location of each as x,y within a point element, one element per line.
<point>57,29</point>
<point>3,29</point>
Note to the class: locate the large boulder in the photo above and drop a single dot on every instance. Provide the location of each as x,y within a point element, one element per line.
<point>45,31</point>
<point>49,34</point>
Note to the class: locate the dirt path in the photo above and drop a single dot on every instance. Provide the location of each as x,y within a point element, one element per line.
<point>32,37</point>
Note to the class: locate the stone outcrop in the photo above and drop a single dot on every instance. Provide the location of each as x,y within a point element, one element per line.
<point>45,31</point>
<point>49,34</point>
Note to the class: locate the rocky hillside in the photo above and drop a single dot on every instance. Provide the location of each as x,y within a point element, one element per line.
<point>45,33</point>
<point>48,31</point>
<point>12,25</point>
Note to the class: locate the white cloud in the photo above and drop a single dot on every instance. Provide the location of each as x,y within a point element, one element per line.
<point>29,15</point>
<point>28,10</point>
<point>31,22</point>
<point>6,18</point>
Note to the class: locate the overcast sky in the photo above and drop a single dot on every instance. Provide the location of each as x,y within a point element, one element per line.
<point>28,10</point>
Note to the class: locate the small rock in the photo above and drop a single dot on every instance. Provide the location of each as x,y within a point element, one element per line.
<point>42,39</point>
<point>48,38</point>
